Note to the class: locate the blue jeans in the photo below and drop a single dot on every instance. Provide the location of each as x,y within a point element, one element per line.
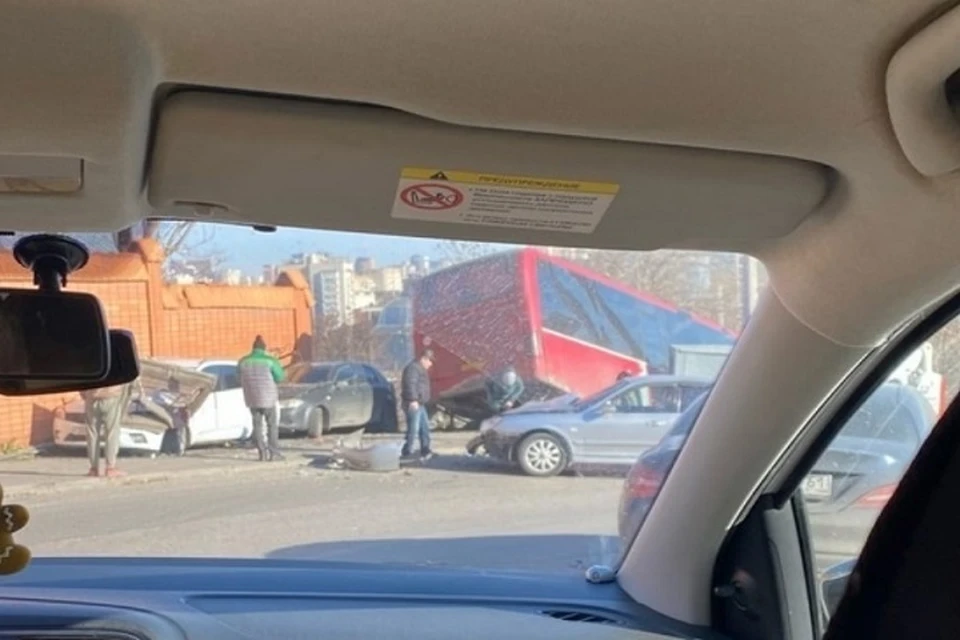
<point>417,424</point>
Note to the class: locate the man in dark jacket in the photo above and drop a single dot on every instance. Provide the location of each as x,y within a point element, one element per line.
<point>504,392</point>
<point>414,394</point>
<point>259,374</point>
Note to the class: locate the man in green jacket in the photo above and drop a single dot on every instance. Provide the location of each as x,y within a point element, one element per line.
<point>259,374</point>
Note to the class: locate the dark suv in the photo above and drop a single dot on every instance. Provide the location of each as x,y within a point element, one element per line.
<point>845,490</point>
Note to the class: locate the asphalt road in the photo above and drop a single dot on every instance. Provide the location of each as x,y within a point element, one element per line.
<point>454,512</point>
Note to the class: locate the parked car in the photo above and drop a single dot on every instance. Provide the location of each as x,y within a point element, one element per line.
<point>183,403</point>
<point>858,473</point>
<point>611,427</point>
<point>846,489</point>
<point>317,397</point>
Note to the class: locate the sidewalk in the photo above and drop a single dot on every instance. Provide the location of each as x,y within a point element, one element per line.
<point>53,473</point>
<point>46,474</point>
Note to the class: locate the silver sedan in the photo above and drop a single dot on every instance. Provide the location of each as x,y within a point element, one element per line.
<point>611,427</point>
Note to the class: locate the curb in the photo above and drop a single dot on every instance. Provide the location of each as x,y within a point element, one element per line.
<point>232,468</point>
<point>83,483</point>
<point>27,453</point>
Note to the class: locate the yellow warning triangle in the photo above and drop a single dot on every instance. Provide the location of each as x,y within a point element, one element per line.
<point>439,175</point>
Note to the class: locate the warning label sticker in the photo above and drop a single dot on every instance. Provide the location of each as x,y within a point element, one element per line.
<point>520,202</point>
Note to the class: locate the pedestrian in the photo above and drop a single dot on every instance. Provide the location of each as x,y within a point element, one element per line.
<point>105,409</point>
<point>415,393</point>
<point>259,374</point>
<point>623,375</point>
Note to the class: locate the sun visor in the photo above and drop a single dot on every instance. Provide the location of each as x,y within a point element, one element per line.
<point>241,158</point>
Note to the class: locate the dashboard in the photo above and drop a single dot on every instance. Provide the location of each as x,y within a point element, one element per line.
<point>221,599</point>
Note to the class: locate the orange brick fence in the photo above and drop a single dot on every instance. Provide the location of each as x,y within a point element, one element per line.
<point>176,321</point>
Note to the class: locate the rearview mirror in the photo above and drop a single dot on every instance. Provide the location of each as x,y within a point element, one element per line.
<point>124,368</point>
<point>52,336</point>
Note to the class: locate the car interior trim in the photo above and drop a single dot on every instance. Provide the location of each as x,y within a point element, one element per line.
<point>296,152</point>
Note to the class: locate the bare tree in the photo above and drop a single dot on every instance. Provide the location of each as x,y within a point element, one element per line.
<point>703,283</point>
<point>946,355</point>
<point>336,341</point>
<point>462,250</point>
<point>184,238</point>
<point>185,244</point>
<point>175,237</point>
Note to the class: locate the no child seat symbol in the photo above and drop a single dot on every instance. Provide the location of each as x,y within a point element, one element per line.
<point>433,197</point>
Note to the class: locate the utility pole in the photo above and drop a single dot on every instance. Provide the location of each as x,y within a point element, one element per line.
<point>749,286</point>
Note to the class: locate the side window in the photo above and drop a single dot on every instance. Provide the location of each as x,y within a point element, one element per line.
<point>630,401</point>
<point>860,469</point>
<point>227,376</point>
<point>372,376</point>
<point>648,399</point>
<point>348,374</point>
<point>689,395</point>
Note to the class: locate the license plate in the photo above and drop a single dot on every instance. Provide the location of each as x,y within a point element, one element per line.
<point>817,485</point>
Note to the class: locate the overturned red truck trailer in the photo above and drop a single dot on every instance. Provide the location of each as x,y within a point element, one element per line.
<point>563,327</point>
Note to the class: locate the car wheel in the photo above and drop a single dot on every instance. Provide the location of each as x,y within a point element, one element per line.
<point>317,422</point>
<point>542,454</point>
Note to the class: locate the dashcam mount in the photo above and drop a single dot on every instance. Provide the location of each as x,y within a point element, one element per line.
<point>51,258</point>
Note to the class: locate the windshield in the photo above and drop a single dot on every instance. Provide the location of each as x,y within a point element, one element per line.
<point>309,374</point>
<point>355,384</point>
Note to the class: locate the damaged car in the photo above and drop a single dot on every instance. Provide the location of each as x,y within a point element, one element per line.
<point>174,405</point>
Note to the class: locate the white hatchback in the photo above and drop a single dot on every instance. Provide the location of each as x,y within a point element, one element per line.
<point>215,410</point>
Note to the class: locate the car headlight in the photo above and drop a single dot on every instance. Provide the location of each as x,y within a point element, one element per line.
<point>291,403</point>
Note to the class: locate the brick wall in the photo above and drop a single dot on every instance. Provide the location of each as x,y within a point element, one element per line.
<point>176,321</point>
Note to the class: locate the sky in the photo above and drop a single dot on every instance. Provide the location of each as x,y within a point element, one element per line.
<point>248,250</point>
<point>240,247</point>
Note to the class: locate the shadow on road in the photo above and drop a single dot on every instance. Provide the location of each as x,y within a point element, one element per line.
<point>462,463</point>
<point>466,464</point>
<point>519,552</point>
<point>487,465</point>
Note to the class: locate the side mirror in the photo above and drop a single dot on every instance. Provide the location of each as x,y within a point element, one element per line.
<point>124,368</point>
<point>833,584</point>
<point>607,408</point>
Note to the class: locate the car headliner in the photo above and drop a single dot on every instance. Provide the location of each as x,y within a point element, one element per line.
<point>814,135</point>
<point>792,80</point>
